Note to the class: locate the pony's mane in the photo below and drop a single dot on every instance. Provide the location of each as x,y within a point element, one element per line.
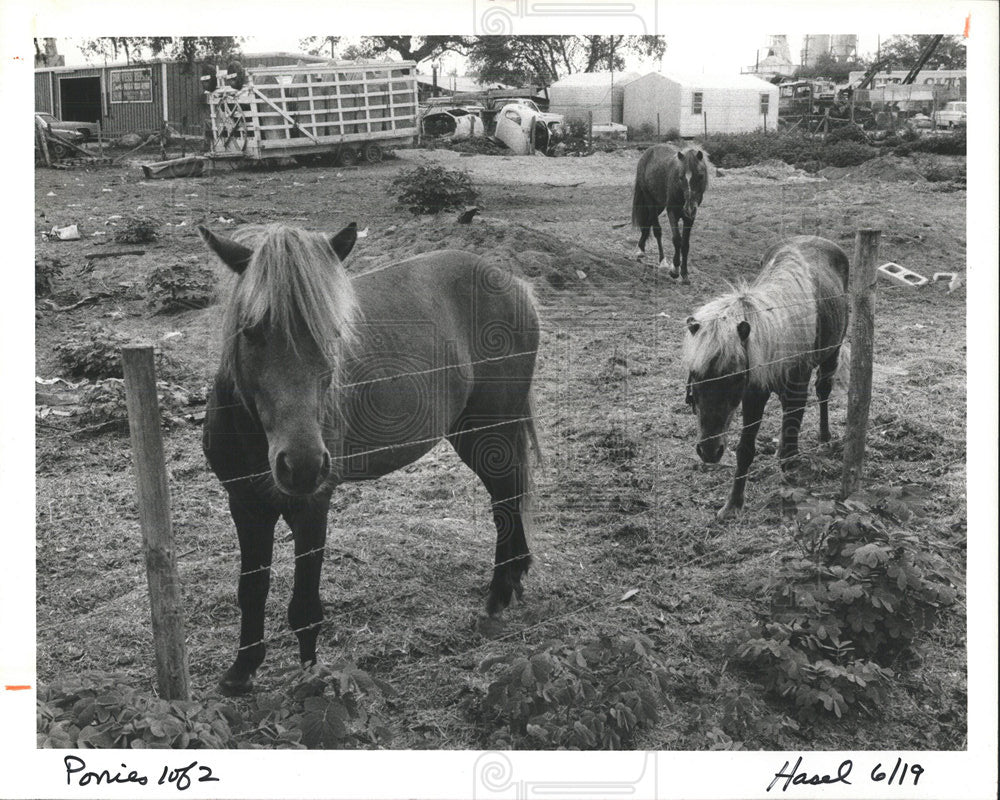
<point>296,283</point>
<point>780,307</point>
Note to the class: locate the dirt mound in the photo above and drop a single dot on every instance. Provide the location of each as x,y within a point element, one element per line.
<point>885,168</point>
<point>772,170</point>
<point>523,250</point>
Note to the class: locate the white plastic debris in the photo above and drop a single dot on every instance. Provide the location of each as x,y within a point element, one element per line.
<point>363,234</point>
<point>68,233</point>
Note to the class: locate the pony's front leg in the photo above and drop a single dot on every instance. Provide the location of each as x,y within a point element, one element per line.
<point>675,232</point>
<point>793,405</point>
<point>685,245</point>
<point>753,410</point>
<point>305,611</point>
<point>255,521</point>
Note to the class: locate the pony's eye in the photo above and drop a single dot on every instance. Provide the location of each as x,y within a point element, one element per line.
<point>254,334</point>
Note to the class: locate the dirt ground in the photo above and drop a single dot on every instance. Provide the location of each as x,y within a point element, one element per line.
<point>623,502</point>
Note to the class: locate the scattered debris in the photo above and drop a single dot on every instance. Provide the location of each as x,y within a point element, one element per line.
<point>902,275</point>
<point>189,167</point>
<point>66,234</point>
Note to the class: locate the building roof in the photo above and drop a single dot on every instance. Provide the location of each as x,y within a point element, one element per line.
<point>292,58</point>
<point>595,79</point>
<point>714,81</point>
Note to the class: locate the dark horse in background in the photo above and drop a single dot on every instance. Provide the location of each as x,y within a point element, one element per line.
<point>767,337</point>
<point>672,179</point>
<point>326,379</point>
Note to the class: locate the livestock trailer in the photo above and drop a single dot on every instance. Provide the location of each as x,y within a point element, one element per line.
<point>345,108</point>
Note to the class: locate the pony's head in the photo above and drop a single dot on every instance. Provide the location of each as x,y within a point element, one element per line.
<point>716,359</point>
<point>291,314</point>
<point>694,179</point>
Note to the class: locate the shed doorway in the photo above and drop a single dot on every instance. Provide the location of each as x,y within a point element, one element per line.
<point>80,99</point>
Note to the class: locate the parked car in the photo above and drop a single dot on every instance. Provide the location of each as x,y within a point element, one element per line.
<point>552,121</point>
<point>953,113</point>
<point>84,129</point>
<point>454,122</point>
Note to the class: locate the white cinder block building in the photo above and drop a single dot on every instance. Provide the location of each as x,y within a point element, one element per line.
<point>693,104</point>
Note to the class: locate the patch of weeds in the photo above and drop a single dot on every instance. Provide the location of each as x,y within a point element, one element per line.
<point>849,605</point>
<point>578,693</point>
<point>617,447</point>
<point>96,354</point>
<point>430,190</point>
<point>325,707</point>
<point>94,709</point>
<point>105,409</point>
<point>47,270</point>
<point>180,287</point>
<point>135,229</point>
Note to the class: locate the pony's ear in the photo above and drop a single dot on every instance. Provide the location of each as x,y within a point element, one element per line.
<point>743,329</point>
<point>680,155</point>
<point>343,242</point>
<point>693,325</point>
<point>233,254</point>
<point>701,155</point>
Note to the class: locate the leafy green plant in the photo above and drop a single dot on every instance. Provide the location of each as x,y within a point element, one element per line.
<point>94,709</point>
<point>46,272</point>
<point>578,694</point>
<point>180,287</point>
<point>95,354</point>
<point>952,143</point>
<point>430,190</point>
<point>848,606</point>
<point>325,707</point>
<point>105,409</point>
<point>847,133</point>
<point>135,229</point>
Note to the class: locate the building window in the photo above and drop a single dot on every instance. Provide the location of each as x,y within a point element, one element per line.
<point>132,86</point>
<point>696,102</point>
<point>765,101</point>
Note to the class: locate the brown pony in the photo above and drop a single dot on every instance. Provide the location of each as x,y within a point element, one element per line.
<point>326,379</point>
<point>767,337</point>
<point>674,179</point>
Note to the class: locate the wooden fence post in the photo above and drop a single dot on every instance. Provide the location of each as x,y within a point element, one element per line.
<point>590,130</point>
<point>154,519</point>
<point>862,291</point>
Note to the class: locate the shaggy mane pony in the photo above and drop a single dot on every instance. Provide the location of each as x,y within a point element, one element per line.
<point>781,309</point>
<point>295,283</point>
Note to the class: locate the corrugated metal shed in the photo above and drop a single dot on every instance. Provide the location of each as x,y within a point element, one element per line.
<point>138,97</point>
<point>692,104</point>
<point>598,93</point>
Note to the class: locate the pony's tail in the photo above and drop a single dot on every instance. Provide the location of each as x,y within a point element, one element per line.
<point>639,206</point>
<point>527,440</point>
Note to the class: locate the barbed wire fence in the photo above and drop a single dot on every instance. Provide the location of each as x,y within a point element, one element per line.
<point>629,396</point>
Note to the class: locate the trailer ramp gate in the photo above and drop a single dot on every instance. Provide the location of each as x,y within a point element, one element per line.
<point>316,108</point>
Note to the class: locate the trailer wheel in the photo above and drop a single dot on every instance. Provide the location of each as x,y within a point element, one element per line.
<point>347,157</point>
<point>372,153</point>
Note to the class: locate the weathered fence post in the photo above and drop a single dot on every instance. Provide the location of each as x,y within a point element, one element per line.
<point>154,519</point>
<point>590,130</point>
<point>862,290</point>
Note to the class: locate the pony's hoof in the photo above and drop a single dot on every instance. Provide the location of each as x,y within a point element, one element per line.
<point>728,511</point>
<point>638,255</point>
<point>674,273</point>
<point>231,686</point>
<point>685,281</point>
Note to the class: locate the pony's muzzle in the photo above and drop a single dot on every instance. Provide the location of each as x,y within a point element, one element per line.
<point>710,450</point>
<point>301,473</point>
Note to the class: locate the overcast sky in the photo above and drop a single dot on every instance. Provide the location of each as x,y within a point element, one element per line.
<point>724,52</point>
